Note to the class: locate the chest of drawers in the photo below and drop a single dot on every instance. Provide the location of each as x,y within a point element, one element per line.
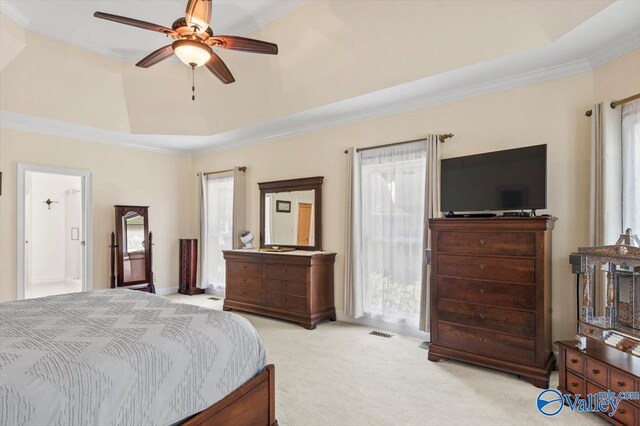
<point>490,294</point>
<point>295,286</point>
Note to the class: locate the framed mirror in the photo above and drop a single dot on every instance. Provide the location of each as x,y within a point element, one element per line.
<point>291,213</point>
<point>131,248</point>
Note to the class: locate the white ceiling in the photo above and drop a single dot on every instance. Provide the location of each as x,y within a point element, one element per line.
<point>72,21</point>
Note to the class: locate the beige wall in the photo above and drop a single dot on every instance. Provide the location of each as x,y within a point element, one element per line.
<point>551,112</point>
<point>120,176</point>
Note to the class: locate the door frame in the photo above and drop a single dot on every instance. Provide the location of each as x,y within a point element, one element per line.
<point>87,222</point>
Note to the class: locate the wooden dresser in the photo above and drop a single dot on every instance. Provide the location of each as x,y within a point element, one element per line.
<point>597,369</point>
<point>491,294</point>
<point>293,286</point>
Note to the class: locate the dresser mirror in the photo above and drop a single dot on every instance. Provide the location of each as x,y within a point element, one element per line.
<point>291,214</point>
<point>131,246</point>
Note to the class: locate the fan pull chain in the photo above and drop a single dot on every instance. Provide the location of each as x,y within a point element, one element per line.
<point>193,83</point>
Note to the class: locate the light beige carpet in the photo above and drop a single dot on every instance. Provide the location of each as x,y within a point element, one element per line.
<point>338,374</point>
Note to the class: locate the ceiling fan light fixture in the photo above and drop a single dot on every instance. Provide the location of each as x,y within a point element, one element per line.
<point>191,52</point>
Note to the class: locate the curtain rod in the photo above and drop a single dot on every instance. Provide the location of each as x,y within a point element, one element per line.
<point>442,138</point>
<point>242,169</point>
<point>617,103</point>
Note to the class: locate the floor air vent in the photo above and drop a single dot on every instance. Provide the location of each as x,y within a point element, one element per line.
<point>381,334</point>
<point>215,298</point>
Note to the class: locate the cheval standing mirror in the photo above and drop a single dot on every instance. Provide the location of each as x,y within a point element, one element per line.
<point>131,249</point>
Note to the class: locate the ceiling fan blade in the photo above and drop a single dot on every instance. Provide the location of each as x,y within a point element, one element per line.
<point>219,69</point>
<point>246,44</point>
<point>156,56</point>
<point>198,13</point>
<point>134,23</point>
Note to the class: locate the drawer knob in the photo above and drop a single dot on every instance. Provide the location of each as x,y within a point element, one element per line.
<point>284,300</point>
<point>483,266</point>
<point>244,293</point>
<point>284,285</point>
<point>621,384</point>
<point>483,291</point>
<point>482,340</point>
<point>595,371</point>
<point>621,410</point>
<point>574,384</point>
<point>574,361</point>
<point>482,316</point>
<point>483,242</point>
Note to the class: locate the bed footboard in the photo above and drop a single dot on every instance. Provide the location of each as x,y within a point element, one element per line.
<point>253,403</point>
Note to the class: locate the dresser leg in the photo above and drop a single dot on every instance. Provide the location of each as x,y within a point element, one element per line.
<point>436,358</point>
<point>309,326</point>
<point>224,308</point>
<point>333,318</point>
<point>539,383</point>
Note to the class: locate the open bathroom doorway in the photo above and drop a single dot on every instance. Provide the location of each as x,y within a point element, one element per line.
<point>53,212</point>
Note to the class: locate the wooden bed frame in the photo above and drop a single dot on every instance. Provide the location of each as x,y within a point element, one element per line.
<point>253,403</point>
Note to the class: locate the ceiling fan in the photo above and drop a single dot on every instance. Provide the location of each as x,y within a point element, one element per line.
<point>193,39</point>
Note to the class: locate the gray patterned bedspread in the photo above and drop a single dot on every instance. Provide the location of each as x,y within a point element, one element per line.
<point>119,357</point>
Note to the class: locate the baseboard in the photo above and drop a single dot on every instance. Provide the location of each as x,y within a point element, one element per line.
<point>164,291</point>
<point>43,280</point>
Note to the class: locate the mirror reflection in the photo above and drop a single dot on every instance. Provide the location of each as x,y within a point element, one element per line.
<point>134,256</point>
<point>289,218</point>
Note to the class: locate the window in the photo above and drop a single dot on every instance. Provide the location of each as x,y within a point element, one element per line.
<point>219,229</point>
<point>631,166</point>
<point>392,188</point>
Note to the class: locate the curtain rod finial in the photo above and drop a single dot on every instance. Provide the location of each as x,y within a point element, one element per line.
<point>445,137</point>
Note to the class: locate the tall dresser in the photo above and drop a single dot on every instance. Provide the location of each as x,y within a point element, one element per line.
<point>491,294</point>
<point>294,286</point>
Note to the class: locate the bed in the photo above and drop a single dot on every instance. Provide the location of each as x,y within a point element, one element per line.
<point>115,357</point>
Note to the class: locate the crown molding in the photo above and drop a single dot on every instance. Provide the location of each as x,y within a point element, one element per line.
<point>46,126</point>
<point>10,10</point>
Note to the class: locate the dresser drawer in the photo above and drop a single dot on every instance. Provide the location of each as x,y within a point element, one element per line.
<point>499,269</point>
<point>625,414</point>
<point>491,344</point>
<point>575,384</point>
<point>245,295</point>
<point>244,281</point>
<point>621,382</point>
<point>597,372</point>
<point>285,287</point>
<point>286,273</point>
<point>244,268</point>
<point>486,292</point>
<point>498,319</point>
<point>574,361</point>
<point>284,301</point>
<point>489,243</point>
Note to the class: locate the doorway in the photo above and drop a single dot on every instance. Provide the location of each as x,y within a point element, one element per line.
<point>53,231</point>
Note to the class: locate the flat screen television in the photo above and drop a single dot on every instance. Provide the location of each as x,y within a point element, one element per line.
<point>514,179</point>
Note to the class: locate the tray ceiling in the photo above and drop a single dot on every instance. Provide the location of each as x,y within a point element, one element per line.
<point>72,21</point>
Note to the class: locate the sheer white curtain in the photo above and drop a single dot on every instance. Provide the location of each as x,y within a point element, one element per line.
<point>392,200</point>
<point>631,166</point>
<point>216,229</point>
